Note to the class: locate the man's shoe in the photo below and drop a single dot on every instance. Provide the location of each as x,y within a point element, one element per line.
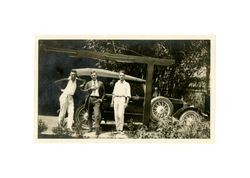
<point>90,130</point>
<point>97,132</point>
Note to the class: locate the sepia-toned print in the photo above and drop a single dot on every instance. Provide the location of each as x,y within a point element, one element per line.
<point>158,89</point>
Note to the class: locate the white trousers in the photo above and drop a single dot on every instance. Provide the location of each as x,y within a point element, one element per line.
<point>66,105</point>
<point>119,109</point>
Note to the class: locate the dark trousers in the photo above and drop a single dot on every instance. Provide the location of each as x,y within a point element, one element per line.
<point>94,113</point>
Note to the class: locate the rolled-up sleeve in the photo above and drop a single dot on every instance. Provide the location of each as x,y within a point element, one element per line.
<point>115,89</point>
<point>128,90</point>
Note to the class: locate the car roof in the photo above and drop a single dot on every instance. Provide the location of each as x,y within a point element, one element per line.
<point>105,73</point>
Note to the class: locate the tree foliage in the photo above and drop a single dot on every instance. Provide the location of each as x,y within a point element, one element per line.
<point>191,68</point>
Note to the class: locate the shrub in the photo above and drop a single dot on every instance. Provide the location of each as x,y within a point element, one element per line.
<point>42,126</point>
<point>62,131</point>
<point>78,130</point>
<point>172,128</point>
<point>196,130</point>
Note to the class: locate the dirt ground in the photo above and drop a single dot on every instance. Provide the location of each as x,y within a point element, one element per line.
<point>108,129</point>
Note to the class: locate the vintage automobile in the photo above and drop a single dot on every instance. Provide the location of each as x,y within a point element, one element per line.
<point>160,106</point>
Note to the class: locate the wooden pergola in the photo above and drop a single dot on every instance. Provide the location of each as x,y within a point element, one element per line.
<point>150,61</point>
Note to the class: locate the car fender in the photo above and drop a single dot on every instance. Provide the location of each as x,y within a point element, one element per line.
<point>178,113</point>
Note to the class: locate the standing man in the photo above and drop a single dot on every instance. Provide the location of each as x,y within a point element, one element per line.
<point>96,95</point>
<point>120,100</point>
<point>67,102</point>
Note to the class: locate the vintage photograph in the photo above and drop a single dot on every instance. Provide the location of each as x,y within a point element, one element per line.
<point>125,88</point>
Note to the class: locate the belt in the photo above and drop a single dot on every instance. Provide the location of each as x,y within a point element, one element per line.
<point>119,96</point>
<point>94,96</point>
<point>68,95</point>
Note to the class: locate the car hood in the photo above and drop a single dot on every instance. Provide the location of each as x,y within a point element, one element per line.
<point>105,73</point>
<point>179,101</point>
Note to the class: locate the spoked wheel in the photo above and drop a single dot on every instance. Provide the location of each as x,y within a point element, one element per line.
<point>81,117</point>
<point>161,107</point>
<point>189,117</point>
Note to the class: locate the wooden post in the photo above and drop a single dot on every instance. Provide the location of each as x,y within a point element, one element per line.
<point>148,95</point>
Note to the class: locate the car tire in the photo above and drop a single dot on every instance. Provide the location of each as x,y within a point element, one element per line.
<point>161,107</point>
<point>81,117</point>
<point>190,116</point>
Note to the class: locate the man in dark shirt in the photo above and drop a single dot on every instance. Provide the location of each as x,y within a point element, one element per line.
<point>96,94</point>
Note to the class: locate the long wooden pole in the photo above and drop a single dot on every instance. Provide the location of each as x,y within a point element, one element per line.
<point>113,57</point>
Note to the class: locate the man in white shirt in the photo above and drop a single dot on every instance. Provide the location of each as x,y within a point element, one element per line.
<point>67,102</point>
<point>120,100</point>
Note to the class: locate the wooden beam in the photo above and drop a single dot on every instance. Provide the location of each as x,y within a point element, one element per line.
<point>61,50</point>
<point>148,95</point>
<point>113,57</point>
<point>124,58</point>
